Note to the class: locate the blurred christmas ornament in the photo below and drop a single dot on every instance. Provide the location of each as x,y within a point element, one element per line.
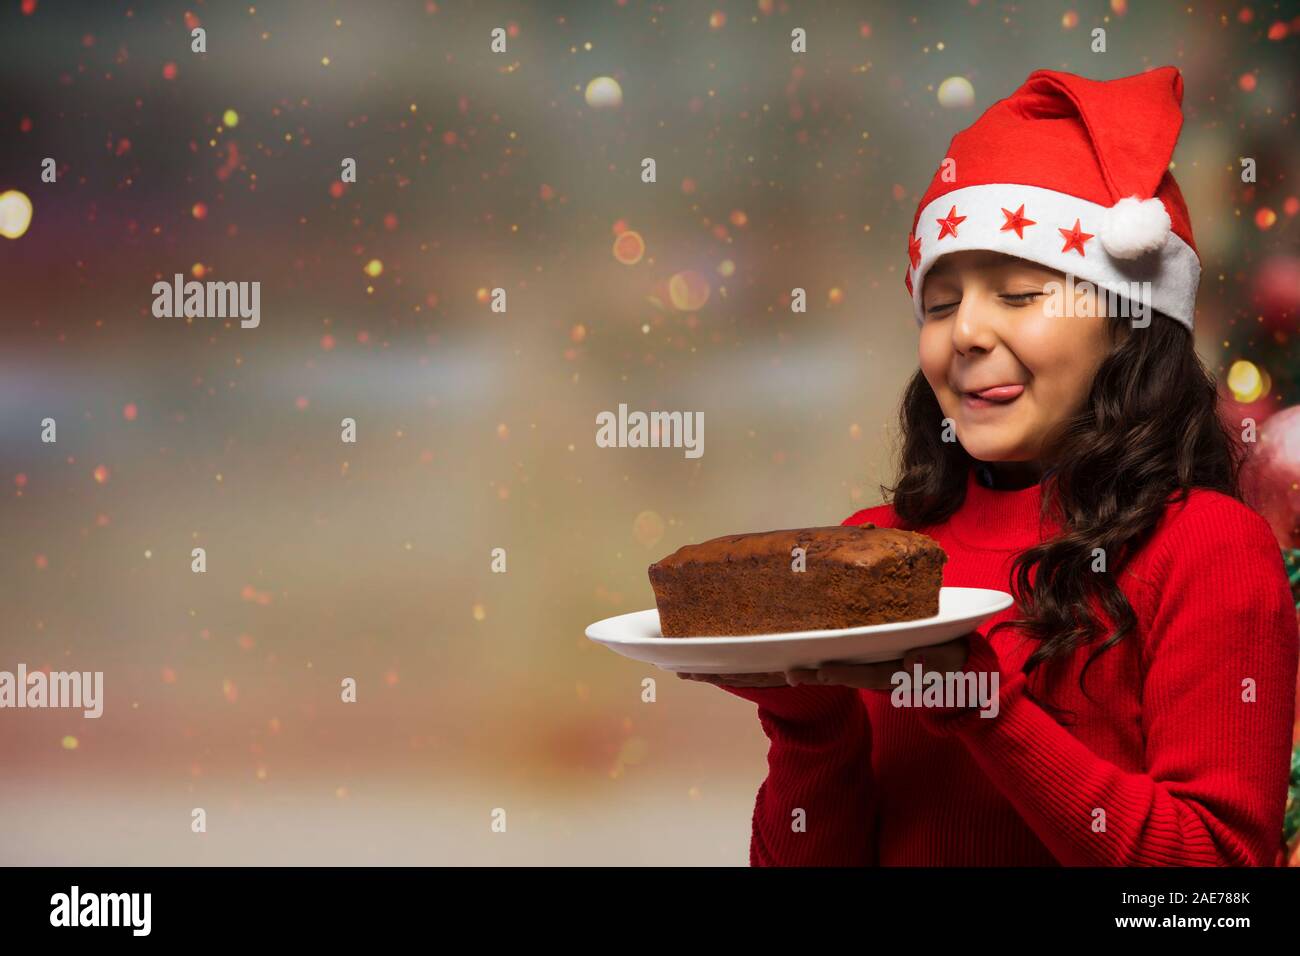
<point>1271,476</point>
<point>1276,292</point>
<point>15,214</point>
<point>1241,414</point>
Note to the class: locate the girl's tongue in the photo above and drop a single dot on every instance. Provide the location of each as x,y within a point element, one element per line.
<point>1002,393</point>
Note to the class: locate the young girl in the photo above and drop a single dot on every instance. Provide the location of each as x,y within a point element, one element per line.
<point>1061,444</point>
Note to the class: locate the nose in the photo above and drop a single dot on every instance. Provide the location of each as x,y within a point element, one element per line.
<point>973,326</point>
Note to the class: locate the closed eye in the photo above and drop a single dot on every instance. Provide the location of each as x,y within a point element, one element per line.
<point>942,307</point>
<point>1013,298</point>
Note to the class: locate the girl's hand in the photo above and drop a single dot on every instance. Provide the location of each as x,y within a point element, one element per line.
<point>950,656</point>
<point>740,680</point>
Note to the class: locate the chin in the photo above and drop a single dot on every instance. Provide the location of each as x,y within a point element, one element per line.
<point>996,454</point>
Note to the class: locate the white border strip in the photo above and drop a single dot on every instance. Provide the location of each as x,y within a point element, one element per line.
<point>1174,271</point>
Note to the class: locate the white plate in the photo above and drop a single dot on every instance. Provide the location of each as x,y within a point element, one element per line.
<point>637,636</point>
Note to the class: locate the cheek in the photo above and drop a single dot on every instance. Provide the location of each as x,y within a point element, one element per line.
<point>934,355</point>
<point>1062,353</point>
<point>1044,339</point>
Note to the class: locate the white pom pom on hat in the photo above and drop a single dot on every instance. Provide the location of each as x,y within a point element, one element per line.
<point>1134,227</point>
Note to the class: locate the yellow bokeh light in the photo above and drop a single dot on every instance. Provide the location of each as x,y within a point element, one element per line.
<point>230,118</point>
<point>374,268</point>
<point>15,214</point>
<point>1245,381</point>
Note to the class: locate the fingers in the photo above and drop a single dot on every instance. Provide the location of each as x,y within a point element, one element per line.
<point>865,676</point>
<point>944,658</point>
<point>737,680</point>
<point>876,676</point>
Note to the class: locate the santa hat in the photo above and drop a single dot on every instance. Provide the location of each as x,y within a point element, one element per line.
<point>1073,174</point>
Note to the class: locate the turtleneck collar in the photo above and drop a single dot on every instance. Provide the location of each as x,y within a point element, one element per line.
<point>995,519</point>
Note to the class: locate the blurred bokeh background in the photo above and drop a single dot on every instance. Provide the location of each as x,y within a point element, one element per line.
<point>476,429</point>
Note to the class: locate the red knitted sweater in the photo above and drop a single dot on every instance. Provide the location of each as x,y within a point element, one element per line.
<point>1170,763</point>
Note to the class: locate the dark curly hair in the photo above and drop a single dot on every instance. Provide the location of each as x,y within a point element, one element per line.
<point>1149,432</point>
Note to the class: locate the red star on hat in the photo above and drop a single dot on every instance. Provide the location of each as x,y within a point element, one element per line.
<point>914,250</point>
<point>1075,238</point>
<point>1017,221</point>
<point>948,226</point>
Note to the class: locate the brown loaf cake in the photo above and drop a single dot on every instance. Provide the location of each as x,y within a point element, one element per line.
<point>746,583</point>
